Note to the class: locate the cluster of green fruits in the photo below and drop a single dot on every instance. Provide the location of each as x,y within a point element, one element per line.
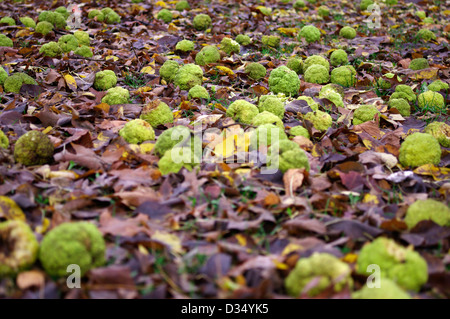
<point>78,243</point>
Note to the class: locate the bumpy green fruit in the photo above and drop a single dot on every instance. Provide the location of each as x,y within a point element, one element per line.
<point>14,82</point>
<point>255,70</point>
<point>284,80</point>
<point>438,85</point>
<point>344,75</point>
<point>326,269</point>
<point>299,4</point>
<point>51,49</point>
<point>182,5</point>
<point>430,99</point>
<point>19,247</point>
<point>271,40</point>
<point>295,64</point>
<point>79,243</point>
<point>347,32</point>
<point>28,22</point>
<point>209,54</point>
<point>5,41</point>
<point>421,14</point>
<point>419,149</point>
<point>168,70</point>
<point>84,51</point>
<point>265,135</point>
<point>272,104</point>
<point>63,10</point>
<point>299,131</point>
<point>4,142</point>
<point>105,80</point>
<point>243,39</point>
<point>33,148</point>
<point>188,76</point>
<point>96,14</point>
<point>441,131</point>
<point>185,45</point>
<point>198,92</point>
<point>229,46</point>
<point>338,57</point>
<point>323,11</point>
<point>44,27</point>
<point>177,158</point>
<point>419,64</point>
<point>202,22</point>
<point>165,15</point>
<point>329,93</point>
<point>242,111</point>
<point>364,4</point>
<point>55,18</point>
<point>137,131</point>
<point>316,59</point>
<point>110,16</point>
<point>404,92</point>
<point>68,43</point>
<point>364,113</point>
<point>401,105</point>
<point>426,35</point>
<point>388,290</point>
<point>317,73</point>
<point>82,37</point>
<point>320,120</point>
<point>8,20</point>
<point>428,209</point>
<point>179,136</point>
<point>310,33</point>
<point>402,265</point>
<point>3,75</point>
<point>267,118</point>
<point>116,95</point>
<point>286,155</point>
<point>157,113</point>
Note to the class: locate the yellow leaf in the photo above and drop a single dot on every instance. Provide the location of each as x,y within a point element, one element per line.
<point>41,229</point>
<point>148,70</point>
<point>173,28</point>
<point>241,240</point>
<point>288,31</point>
<point>161,4</point>
<point>111,57</point>
<point>146,148</point>
<point>370,199</point>
<point>170,240</point>
<point>22,33</point>
<point>142,250</point>
<point>144,89</point>
<point>177,114</point>
<point>243,171</point>
<point>438,173</point>
<point>314,151</point>
<point>47,129</point>
<point>225,148</point>
<point>70,81</point>
<point>280,265</point>
<point>102,137</point>
<point>367,144</point>
<point>291,247</point>
<point>425,74</point>
<point>225,70</point>
<point>350,258</point>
